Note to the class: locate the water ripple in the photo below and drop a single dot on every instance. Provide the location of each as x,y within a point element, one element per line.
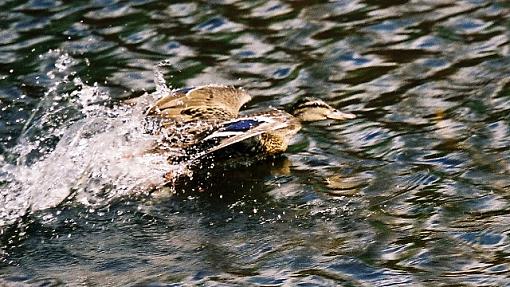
<point>411,192</point>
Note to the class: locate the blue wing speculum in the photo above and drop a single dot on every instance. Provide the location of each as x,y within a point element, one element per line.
<point>238,127</point>
<point>242,125</point>
<point>247,128</point>
<point>241,129</point>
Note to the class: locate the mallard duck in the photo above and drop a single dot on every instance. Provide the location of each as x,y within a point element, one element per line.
<point>206,119</point>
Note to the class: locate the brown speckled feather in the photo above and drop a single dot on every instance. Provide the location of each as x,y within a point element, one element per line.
<point>210,103</point>
<point>273,135</point>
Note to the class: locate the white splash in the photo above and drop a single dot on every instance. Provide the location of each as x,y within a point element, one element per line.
<point>103,155</point>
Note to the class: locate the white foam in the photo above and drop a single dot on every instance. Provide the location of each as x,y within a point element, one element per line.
<point>99,157</point>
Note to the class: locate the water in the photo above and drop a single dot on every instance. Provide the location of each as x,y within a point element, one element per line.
<point>414,191</point>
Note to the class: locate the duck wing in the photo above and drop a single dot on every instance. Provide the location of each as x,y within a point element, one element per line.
<point>246,127</point>
<point>211,102</point>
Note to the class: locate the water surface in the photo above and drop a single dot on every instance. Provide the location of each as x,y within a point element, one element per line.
<point>414,191</point>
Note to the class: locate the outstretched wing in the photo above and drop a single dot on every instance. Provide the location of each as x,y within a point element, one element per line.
<point>238,130</point>
<point>204,102</point>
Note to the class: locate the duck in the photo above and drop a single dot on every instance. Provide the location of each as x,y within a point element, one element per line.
<point>204,120</point>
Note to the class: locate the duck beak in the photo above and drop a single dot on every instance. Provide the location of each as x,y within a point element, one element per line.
<point>338,115</point>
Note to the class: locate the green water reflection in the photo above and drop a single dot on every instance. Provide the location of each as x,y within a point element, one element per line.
<point>415,191</point>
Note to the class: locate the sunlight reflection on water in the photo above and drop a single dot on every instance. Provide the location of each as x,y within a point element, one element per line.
<point>412,192</point>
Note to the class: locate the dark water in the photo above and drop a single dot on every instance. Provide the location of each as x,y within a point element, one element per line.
<point>415,191</point>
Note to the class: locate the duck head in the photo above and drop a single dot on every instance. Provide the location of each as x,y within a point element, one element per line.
<point>312,109</point>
